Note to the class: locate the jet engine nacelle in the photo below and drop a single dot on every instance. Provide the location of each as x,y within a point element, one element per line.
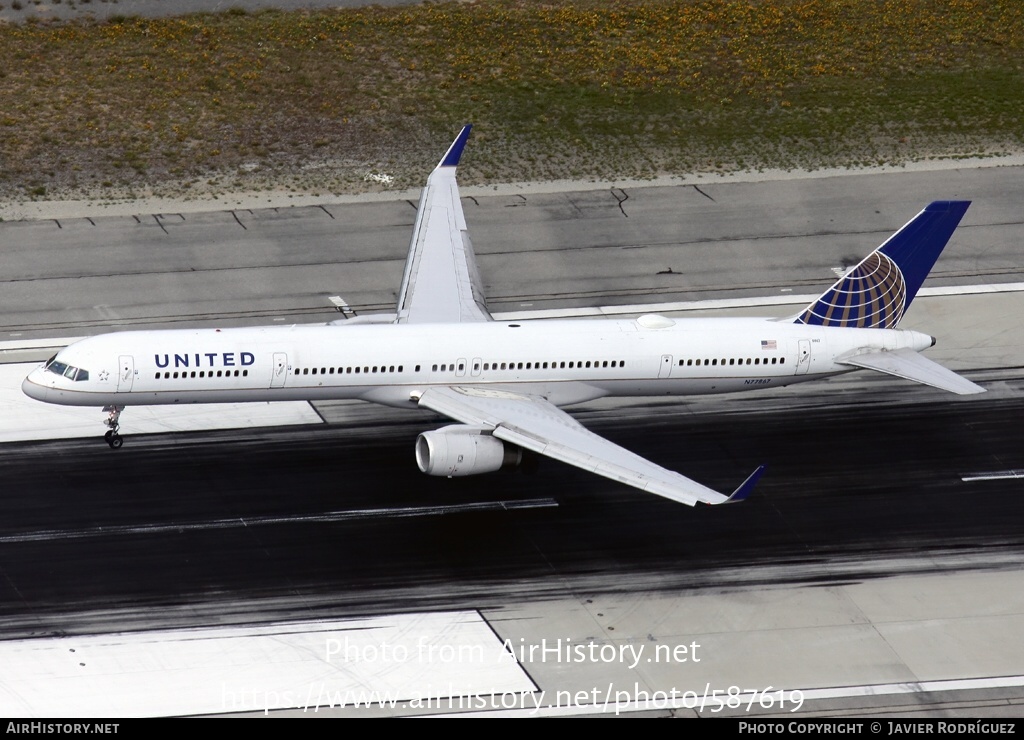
<point>459,450</point>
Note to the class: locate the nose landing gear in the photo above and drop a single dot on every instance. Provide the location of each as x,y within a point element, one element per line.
<point>112,437</point>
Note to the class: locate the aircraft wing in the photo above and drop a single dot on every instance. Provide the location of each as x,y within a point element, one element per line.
<point>441,282</point>
<point>537,425</point>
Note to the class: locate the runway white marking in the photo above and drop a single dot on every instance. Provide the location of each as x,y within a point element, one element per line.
<point>24,418</point>
<point>20,344</point>
<point>724,303</point>
<point>46,535</point>
<point>999,475</point>
<point>749,701</point>
<point>309,666</point>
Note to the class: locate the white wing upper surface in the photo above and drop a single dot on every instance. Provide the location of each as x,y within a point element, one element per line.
<point>534,424</point>
<point>441,282</point>
<point>442,285</point>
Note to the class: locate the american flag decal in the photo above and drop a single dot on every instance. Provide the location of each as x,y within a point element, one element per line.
<point>768,344</point>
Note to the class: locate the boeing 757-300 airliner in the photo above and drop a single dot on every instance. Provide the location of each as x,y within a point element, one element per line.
<point>503,382</point>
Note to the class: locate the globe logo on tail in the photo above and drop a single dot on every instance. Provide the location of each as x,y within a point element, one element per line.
<point>872,295</point>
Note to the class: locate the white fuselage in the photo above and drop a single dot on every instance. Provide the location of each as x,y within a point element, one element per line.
<point>563,361</point>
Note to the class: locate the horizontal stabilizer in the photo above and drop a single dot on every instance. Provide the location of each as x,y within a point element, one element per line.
<point>909,365</point>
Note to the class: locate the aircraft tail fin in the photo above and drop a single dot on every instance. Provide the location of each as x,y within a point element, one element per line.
<point>876,293</point>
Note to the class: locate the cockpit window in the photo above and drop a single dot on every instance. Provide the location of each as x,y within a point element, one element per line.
<point>68,371</point>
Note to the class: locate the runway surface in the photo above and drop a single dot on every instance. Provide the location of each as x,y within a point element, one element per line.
<point>536,251</point>
<point>338,520</point>
<point>869,479</point>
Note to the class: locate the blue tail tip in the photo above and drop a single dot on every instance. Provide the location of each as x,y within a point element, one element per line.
<point>454,153</point>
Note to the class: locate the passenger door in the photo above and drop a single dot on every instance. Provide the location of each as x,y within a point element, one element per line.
<point>126,373</point>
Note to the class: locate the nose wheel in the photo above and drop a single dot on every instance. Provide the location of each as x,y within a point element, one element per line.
<point>113,439</point>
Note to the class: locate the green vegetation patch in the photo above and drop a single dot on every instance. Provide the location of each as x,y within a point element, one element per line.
<point>580,89</point>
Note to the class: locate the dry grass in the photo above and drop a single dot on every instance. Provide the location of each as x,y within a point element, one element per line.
<point>560,89</point>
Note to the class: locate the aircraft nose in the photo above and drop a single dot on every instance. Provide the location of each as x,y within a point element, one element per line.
<point>33,389</point>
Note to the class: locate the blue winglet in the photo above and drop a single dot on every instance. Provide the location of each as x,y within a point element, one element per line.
<point>454,153</point>
<point>746,487</point>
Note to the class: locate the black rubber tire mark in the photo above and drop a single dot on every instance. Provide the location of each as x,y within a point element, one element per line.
<point>703,193</point>
<point>623,199</point>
